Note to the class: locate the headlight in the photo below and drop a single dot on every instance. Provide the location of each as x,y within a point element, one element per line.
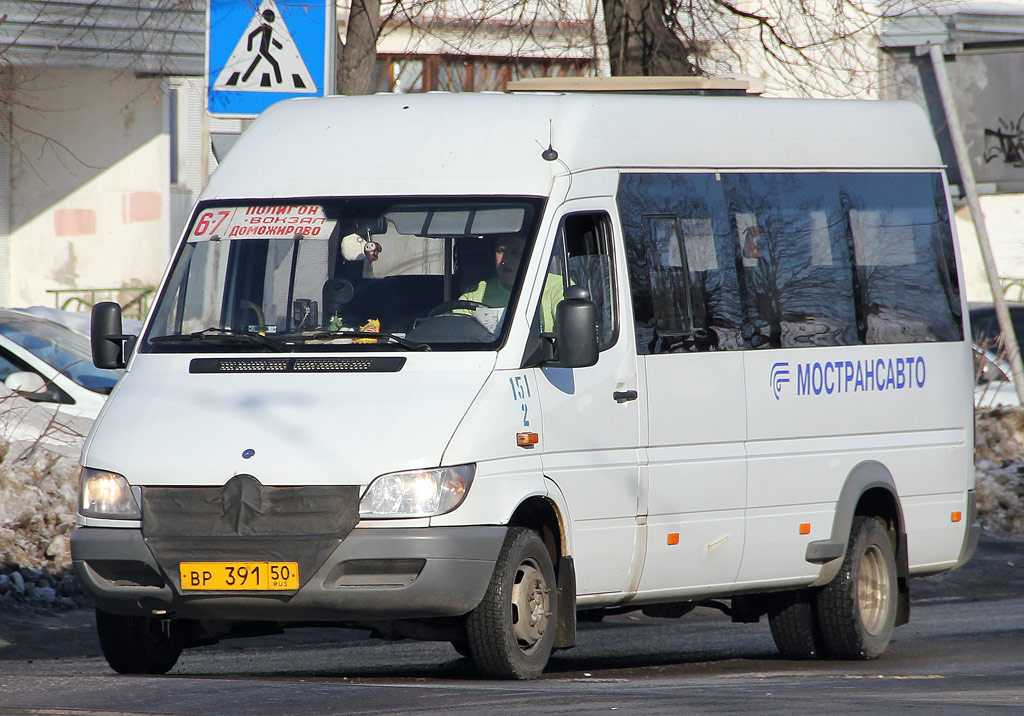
<point>418,493</point>
<point>106,494</point>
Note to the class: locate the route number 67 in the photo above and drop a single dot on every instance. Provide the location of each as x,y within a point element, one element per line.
<point>210,221</point>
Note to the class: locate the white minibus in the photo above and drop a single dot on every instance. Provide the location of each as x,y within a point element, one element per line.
<point>461,367</point>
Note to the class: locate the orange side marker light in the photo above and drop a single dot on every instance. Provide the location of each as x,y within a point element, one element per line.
<point>673,538</point>
<point>957,516</point>
<point>805,528</point>
<point>527,440</point>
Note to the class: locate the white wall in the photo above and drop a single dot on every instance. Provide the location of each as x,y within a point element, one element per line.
<point>89,182</point>
<point>1004,219</point>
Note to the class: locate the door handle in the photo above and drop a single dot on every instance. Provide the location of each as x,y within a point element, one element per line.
<point>624,396</point>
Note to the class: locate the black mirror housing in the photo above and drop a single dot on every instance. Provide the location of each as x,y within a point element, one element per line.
<point>107,336</point>
<point>576,329</point>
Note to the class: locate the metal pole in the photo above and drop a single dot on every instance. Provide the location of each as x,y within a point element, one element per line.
<point>971,192</point>
<point>331,50</point>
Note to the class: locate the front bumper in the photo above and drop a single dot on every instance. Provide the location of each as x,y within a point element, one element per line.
<point>393,573</point>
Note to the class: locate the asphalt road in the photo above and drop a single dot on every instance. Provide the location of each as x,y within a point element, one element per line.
<point>963,652</point>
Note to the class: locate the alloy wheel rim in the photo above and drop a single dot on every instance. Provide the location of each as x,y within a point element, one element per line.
<point>873,590</point>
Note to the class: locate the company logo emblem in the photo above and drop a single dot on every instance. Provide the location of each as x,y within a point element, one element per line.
<point>779,376</point>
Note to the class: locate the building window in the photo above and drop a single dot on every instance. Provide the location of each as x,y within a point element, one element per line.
<point>463,73</point>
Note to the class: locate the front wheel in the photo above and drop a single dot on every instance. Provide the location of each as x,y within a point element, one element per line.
<point>138,645</point>
<point>511,632</point>
<point>857,610</point>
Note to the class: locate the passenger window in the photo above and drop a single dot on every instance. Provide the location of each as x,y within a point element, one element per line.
<point>682,263</point>
<point>795,270</point>
<point>788,259</point>
<point>583,257</point>
<point>906,270</point>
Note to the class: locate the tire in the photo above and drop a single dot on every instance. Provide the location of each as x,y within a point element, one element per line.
<point>137,645</point>
<point>794,626</point>
<point>511,632</point>
<point>857,610</point>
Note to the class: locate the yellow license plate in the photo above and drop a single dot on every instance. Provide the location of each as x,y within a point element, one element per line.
<point>239,576</point>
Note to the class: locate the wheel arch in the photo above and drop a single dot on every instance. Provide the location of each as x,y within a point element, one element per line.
<point>544,514</point>
<point>870,491</point>
<point>539,513</point>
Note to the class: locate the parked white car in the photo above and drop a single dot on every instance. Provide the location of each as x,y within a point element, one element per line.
<point>51,364</point>
<point>993,377</point>
<point>993,383</point>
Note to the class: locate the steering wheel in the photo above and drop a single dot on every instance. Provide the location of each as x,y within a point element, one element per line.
<point>450,306</point>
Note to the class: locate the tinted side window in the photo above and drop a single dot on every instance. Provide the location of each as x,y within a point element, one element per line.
<point>899,231</point>
<point>778,260</point>
<point>682,263</point>
<point>11,364</point>
<point>795,270</point>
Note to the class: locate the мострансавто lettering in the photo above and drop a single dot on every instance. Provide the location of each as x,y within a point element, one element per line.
<point>847,376</point>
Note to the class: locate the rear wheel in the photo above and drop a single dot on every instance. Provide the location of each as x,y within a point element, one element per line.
<point>138,645</point>
<point>794,627</point>
<point>857,610</point>
<point>511,632</point>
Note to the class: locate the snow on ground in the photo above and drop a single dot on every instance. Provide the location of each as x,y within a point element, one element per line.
<point>999,469</point>
<point>39,454</point>
<point>39,451</point>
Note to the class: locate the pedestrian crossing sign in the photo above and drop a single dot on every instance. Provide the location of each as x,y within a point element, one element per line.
<point>260,52</point>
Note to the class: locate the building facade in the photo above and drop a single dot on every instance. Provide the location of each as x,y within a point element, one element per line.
<point>983,46</point>
<point>90,177</point>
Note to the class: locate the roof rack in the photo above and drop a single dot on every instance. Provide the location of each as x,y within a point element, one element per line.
<point>726,84</point>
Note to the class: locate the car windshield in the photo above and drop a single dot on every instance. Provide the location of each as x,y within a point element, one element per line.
<point>326,275</point>
<point>63,349</point>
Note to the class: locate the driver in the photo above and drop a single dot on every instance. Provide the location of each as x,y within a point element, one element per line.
<point>496,291</point>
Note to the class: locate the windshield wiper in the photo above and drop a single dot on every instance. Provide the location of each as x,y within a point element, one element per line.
<point>404,342</point>
<point>213,332</point>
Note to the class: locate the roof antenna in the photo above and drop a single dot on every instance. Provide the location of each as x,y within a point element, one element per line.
<point>549,154</point>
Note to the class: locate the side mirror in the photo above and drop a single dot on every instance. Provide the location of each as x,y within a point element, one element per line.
<point>110,347</point>
<point>34,387</point>
<point>576,329</point>
<point>25,382</point>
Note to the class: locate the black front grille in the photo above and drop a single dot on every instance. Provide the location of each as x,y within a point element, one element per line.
<point>381,364</point>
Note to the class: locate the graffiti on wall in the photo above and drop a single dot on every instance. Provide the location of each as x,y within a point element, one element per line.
<point>1006,143</point>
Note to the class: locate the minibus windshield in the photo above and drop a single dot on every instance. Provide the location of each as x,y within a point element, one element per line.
<point>346,274</point>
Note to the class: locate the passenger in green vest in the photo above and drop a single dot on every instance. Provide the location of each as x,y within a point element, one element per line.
<point>496,291</point>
